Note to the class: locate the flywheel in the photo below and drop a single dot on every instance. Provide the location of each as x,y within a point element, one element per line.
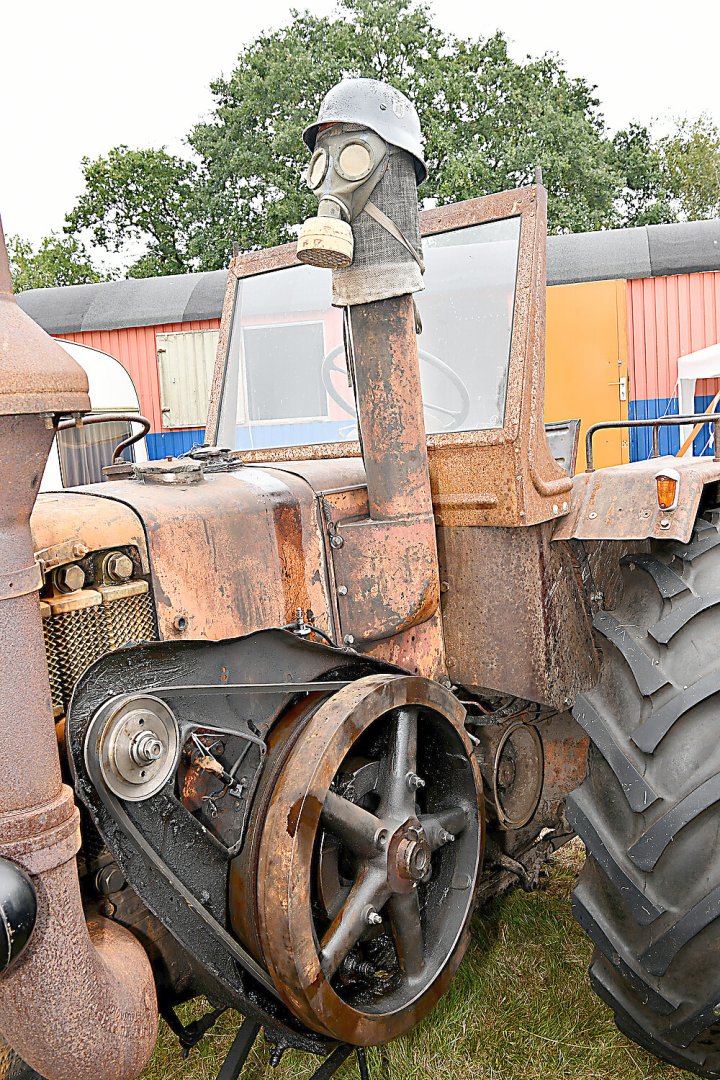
<point>368,844</point>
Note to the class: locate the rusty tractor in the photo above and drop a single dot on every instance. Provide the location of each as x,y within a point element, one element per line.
<point>275,719</point>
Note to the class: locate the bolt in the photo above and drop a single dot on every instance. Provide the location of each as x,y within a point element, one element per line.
<point>349,639</point>
<point>336,541</point>
<point>716,1010</point>
<point>342,590</point>
<point>446,837</point>
<point>373,917</point>
<point>665,523</point>
<point>109,880</point>
<point>180,623</point>
<point>70,578</point>
<point>414,782</point>
<point>592,515</point>
<point>119,567</point>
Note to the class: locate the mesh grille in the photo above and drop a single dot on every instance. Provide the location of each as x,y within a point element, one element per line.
<point>53,661</point>
<point>75,639</point>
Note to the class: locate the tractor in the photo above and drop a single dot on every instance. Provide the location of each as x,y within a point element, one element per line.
<point>276,718</point>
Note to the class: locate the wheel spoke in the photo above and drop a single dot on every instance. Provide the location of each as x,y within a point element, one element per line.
<point>451,821</point>
<point>397,798</point>
<point>369,891</point>
<point>404,912</point>
<point>356,828</point>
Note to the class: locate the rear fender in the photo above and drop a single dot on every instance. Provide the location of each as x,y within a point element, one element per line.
<point>620,502</point>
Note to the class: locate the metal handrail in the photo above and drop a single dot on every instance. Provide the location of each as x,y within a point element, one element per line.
<point>672,421</point>
<point>104,418</point>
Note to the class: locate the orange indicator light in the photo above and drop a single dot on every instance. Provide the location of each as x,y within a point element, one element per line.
<point>667,490</point>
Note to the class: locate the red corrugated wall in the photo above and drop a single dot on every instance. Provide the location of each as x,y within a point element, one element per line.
<point>136,349</point>
<point>667,318</point>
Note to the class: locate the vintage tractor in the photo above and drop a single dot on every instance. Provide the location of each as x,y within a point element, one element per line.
<point>273,721</point>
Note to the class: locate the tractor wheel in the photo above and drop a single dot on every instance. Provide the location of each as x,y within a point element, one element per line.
<point>649,808</point>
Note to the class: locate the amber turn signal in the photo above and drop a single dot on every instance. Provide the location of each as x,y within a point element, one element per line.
<point>667,489</point>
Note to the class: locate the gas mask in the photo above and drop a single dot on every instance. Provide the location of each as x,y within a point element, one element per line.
<point>366,229</point>
<point>345,168</point>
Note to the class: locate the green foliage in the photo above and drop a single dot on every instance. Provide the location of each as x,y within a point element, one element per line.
<point>644,195</point>
<point>692,164</point>
<point>488,121</point>
<point>139,198</point>
<point>58,260</point>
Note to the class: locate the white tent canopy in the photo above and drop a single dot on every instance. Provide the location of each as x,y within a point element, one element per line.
<point>703,364</point>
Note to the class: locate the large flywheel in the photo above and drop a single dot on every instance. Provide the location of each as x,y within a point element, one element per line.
<point>364,857</point>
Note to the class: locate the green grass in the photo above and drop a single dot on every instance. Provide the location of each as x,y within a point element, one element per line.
<point>520,1008</point>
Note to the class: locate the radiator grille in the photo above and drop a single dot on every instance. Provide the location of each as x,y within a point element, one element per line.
<point>75,639</point>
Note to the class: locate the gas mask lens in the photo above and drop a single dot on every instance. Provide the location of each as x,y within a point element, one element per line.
<point>316,169</point>
<point>355,161</point>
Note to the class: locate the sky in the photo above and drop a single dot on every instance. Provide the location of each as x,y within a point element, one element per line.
<point>82,76</point>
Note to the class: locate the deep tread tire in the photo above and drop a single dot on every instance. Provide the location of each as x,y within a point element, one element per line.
<point>649,809</point>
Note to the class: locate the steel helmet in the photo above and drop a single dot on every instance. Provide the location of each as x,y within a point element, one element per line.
<point>378,106</point>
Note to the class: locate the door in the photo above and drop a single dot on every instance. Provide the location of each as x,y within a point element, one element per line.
<point>586,375</point>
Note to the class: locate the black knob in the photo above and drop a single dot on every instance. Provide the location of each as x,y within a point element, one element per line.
<point>18,911</point>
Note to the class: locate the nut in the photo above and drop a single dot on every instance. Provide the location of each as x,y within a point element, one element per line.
<point>119,567</point>
<point>70,578</point>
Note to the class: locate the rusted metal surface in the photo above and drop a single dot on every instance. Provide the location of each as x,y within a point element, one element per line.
<point>390,411</point>
<point>303,959</point>
<point>514,613</point>
<point>400,596</point>
<point>236,553</point>
<point>67,525</point>
<point>74,997</point>
<point>36,374</point>
<point>499,477</point>
<point>620,502</point>
<point>386,576</point>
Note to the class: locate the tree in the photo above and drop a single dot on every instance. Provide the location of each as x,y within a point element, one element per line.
<point>488,121</point>
<point>58,260</point>
<point>644,196</point>
<point>692,164</point>
<point>134,197</point>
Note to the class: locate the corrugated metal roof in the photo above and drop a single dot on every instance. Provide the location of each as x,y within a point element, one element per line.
<point>652,251</point>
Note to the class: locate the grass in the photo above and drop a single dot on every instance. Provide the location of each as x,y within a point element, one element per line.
<point>520,1008</point>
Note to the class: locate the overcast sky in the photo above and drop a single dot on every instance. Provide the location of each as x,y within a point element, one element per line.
<point>81,76</point>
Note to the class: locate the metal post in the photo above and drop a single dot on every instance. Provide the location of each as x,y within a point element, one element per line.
<point>239,1051</point>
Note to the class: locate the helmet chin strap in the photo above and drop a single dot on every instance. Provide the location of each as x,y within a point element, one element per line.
<point>386,223</point>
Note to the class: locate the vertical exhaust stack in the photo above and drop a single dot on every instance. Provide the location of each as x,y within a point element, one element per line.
<point>75,998</point>
<point>365,167</point>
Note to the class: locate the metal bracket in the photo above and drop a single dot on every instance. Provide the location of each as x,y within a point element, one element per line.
<point>21,582</point>
<point>247,1034</point>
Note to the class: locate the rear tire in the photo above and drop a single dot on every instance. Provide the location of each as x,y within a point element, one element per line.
<point>649,808</point>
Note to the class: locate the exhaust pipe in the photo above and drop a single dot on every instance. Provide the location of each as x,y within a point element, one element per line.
<point>75,998</point>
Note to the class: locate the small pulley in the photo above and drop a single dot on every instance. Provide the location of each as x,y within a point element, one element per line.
<point>139,746</point>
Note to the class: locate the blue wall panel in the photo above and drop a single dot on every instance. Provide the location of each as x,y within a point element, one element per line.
<point>172,443</point>
<point>651,409</point>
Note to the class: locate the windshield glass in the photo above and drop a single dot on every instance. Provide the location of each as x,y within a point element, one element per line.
<point>285,379</point>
